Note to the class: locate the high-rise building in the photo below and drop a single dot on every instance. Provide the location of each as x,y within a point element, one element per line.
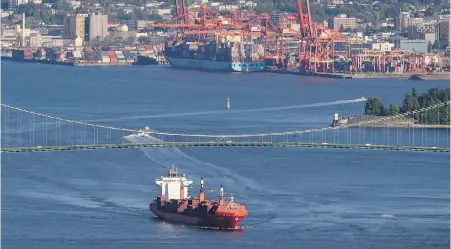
<point>422,32</point>
<point>442,30</point>
<point>74,26</point>
<point>97,26</point>
<point>405,21</point>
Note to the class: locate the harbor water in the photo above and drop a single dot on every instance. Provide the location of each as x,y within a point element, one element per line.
<point>296,197</point>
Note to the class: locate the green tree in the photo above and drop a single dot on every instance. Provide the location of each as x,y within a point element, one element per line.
<point>131,16</point>
<point>28,9</point>
<point>414,92</point>
<point>62,5</point>
<point>260,9</point>
<point>37,14</point>
<point>130,40</point>
<point>393,109</point>
<point>432,97</point>
<point>144,40</point>
<point>46,16</point>
<point>374,106</point>
<point>318,14</point>
<point>410,103</point>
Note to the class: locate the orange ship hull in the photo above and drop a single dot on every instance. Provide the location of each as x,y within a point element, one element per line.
<point>223,220</point>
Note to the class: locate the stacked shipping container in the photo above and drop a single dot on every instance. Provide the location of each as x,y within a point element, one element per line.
<point>103,55</point>
<point>232,51</point>
<point>22,54</point>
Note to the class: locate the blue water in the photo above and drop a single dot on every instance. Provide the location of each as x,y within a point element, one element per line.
<point>296,197</point>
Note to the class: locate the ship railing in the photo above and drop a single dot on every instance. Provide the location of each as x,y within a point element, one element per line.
<point>235,207</point>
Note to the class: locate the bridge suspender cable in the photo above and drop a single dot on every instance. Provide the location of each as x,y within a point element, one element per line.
<point>226,136</point>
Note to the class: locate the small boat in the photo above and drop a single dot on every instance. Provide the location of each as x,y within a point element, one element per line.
<point>228,104</point>
<point>143,133</point>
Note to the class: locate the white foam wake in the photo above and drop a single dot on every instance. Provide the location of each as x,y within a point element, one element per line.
<point>264,109</point>
<point>165,157</point>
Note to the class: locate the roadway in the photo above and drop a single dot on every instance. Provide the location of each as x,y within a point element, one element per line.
<point>221,144</point>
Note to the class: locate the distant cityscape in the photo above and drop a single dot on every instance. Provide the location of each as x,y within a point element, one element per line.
<point>420,27</point>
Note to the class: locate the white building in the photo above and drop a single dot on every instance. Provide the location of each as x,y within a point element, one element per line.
<point>74,3</point>
<point>386,46</point>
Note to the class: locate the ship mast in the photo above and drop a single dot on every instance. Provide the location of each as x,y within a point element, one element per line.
<point>201,192</point>
<point>221,196</point>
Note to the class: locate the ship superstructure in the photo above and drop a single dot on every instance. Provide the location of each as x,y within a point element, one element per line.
<point>174,185</point>
<point>175,204</point>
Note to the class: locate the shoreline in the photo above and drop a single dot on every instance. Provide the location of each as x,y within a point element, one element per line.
<point>394,125</point>
<point>76,64</point>
<point>434,76</point>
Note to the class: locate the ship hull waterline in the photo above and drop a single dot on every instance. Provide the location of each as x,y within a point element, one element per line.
<point>210,221</point>
<point>210,65</point>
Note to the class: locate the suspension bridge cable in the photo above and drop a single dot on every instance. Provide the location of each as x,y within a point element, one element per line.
<point>227,136</point>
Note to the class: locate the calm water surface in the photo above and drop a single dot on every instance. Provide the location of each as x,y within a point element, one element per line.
<point>296,197</point>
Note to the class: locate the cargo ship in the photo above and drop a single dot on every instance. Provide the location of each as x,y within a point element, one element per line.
<point>100,56</point>
<point>431,76</point>
<point>144,61</point>
<point>174,204</point>
<point>215,56</point>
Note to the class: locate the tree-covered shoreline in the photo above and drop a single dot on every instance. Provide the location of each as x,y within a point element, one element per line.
<point>412,101</point>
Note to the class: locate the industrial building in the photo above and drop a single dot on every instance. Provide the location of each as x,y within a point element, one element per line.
<point>86,27</point>
<point>74,26</point>
<point>97,26</point>
<point>416,46</point>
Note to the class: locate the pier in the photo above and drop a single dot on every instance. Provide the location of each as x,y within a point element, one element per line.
<point>297,72</point>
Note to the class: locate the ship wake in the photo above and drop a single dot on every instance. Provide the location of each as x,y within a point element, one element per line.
<point>232,111</point>
<point>193,166</point>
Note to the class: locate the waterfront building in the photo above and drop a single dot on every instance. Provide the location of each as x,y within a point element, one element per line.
<point>75,26</point>
<point>97,26</point>
<point>416,46</point>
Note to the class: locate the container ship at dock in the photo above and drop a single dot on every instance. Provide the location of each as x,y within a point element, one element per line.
<point>215,56</point>
<point>175,205</point>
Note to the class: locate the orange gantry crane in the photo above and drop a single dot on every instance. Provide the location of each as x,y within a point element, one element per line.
<point>316,42</point>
